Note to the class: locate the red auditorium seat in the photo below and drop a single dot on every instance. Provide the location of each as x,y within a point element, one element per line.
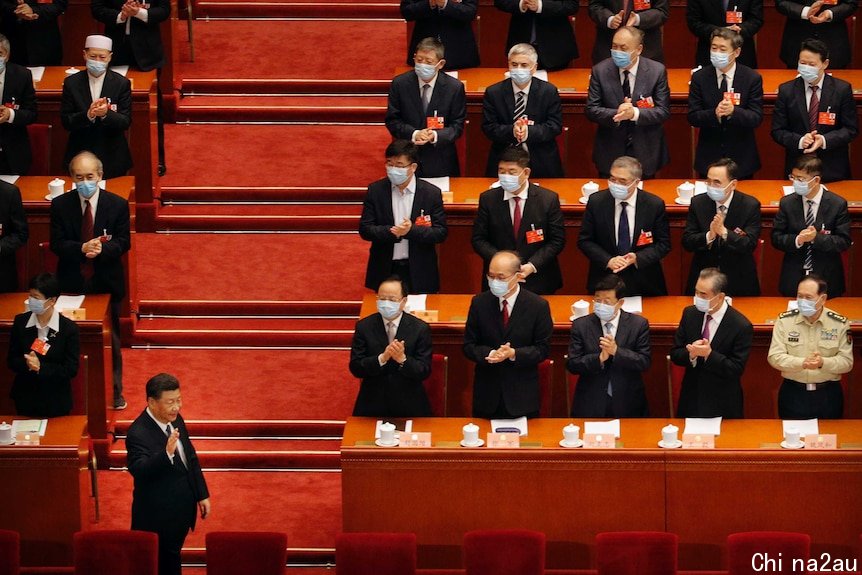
<point>741,548</point>
<point>10,552</point>
<point>504,552</point>
<point>571,388</point>
<point>246,553</point>
<point>636,553</point>
<point>675,373</point>
<point>375,554</point>
<point>118,552</point>
<point>546,386</point>
<point>435,384</point>
<point>40,149</point>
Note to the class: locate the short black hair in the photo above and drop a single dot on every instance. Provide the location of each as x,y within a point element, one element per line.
<point>816,46</point>
<point>46,284</point>
<point>161,383</point>
<point>822,287</point>
<point>399,281</point>
<point>517,155</point>
<point>728,164</point>
<point>403,148</point>
<point>611,282</point>
<point>810,164</point>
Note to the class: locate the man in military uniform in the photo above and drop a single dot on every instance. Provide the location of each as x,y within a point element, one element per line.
<point>812,347</point>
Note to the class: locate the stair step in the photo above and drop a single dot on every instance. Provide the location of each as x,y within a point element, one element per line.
<point>263,194</point>
<point>241,211</point>
<point>308,108</point>
<point>252,460</point>
<point>282,86</point>
<point>236,308</point>
<point>169,222</point>
<point>265,332</point>
<point>256,428</point>
<point>267,9</point>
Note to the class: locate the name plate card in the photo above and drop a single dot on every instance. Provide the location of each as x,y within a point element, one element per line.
<point>448,197</point>
<point>25,438</point>
<point>416,439</point>
<point>821,441</point>
<point>693,441</point>
<point>78,314</point>
<point>599,441</point>
<point>504,440</point>
<point>426,315</point>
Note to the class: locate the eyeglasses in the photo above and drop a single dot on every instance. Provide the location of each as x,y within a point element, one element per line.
<point>793,178</point>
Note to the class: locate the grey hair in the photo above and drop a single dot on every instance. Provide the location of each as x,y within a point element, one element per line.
<point>4,43</point>
<point>513,258</point>
<point>524,50</point>
<point>431,45</point>
<point>629,163</point>
<point>636,33</point>
<point>719,280</point>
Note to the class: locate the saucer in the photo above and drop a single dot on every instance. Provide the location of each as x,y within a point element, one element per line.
<point>49,197</point>
<point>379,443</point>
<point>479,443</point>
<point>10,442</point>
<point>578,443</point>
<point>673,445</point>
<point>682,202</point>
<point>583,200</point>
<point>786,445</point>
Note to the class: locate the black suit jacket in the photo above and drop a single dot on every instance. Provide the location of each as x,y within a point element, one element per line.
<point>544,110</point>
<point>647,135</point>
<point>166,495</point>
<point>492,232</point>
<point>515,383</point>
<point>34,42</point>
<point>105,137</point>
<point>833,237</point>
<point>49,392</point>
<point>833,33</point>
<point>554,38</point>
<point>651,24</point>
<point>143,45</point>
<point>704,16</point>
<point>790,122</point>
<point>624,369</point>
<point>13,234</point>
<point>734,136</point>
<point>391,390</point>
<point>453,26</point>
<point>711,388</point>
<point>733,256</point>
<point>14,140</point>
<point>112,216</point>
<point>404,116</point>
<point>377,217</point>
<point>598,242</point>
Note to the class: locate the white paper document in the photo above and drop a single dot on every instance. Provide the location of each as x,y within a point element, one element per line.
<point>787,190</point>
<point>520,424</point>
<point>70,302</point>
<point>9,178</point>
<point>699,188</point>
<point>803,426</point>
<point>702,426</point>
<point>121,70</point>
<point>29,426</point>
<point>416,302</point>
<point>452,74</point>
<point>442,183</point>
<point>38,72</point>
<point>603,427</point>
<point>633,304</point>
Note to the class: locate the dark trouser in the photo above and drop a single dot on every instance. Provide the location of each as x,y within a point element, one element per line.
<point>160,117</point>
<point>401,268</point>
<point>795,402</point>
<point>170,546</point>
<point>502,413</point>
<point>5,168</point>
<point>116,349</point>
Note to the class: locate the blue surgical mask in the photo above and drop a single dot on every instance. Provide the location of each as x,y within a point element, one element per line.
<point>520,75</point>
<point>621,58</point>
<point>604,311</point>
<point>96,68</point>
<point>802,188</point>
<point>719,59</point>
<point>498,287</point>
<point>425,71</point>
<point>388,309</point>
<point>618,191</point>
<point>35,305</point>
<point>397,175</point>
<point>809,73</point>
<point>702,304</point>
<point>716,194</point>
<point>87,188</point>
<point>806,307</point>
<point>509,182</point>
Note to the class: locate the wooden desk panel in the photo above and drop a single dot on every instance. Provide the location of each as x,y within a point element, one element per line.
<point>45,491</point>
<point>760,382</point>
<point>570,495</point>
<point>95,334</point>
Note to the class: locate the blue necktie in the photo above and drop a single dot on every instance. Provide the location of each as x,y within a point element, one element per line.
<point>624,240</point>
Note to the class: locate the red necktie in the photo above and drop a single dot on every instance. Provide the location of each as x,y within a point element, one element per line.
<point>86,236</point>
<point>505,314</point>
<point>813,109</point>
<point>516,217</point>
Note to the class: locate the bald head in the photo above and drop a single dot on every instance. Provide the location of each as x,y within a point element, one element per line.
<point>85,163</point>
<point>505,262</point>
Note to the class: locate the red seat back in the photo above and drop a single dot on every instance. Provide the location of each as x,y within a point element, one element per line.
<point>675,374</point>
<point>375,554</point>
<point>741,548</point>
<point>636,553</point>
<point>40,149</point>
<point>80,385</point>
<point>10,552</point>
<point>504,552</point>
<point>571,388</point>
<point>435,384</point>
<point>115,552</point>
<point>546,387</point>
<point>48,258</point>
<point>246,553</point>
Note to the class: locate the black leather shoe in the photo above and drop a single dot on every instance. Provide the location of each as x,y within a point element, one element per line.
<point>163,169</point>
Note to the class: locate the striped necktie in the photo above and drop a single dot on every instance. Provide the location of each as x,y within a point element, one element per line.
<point>808,264</point>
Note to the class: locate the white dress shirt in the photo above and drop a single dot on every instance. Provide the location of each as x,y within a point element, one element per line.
<point>633,73</point>
<point>432,82</point>
<point>402,207</point>
<point>815,207</point>
<point>395,323</point>
<point>43,330</point>
<point>162,425</point>
<point>726,204</point>
<point>630,210</point>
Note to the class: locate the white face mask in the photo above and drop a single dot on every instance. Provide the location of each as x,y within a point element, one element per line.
<point>702,304</point>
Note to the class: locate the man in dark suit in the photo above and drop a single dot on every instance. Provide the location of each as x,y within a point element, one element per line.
<point>723,230</point>
<point>745,17</point>
<point>17,109</point>
<point>13,234</point>
<point>391,353</point>
<point>169,484</point>
<point>630,101</point>
<point>816,114</point>
<point>818,20</point>
<point>33,30</point>
<point>725,100</point>
<point>432,117</point>
<point>96,109</point>
<point>648,16</point>
<point>713,341</point>
<point>403,218</point>
<point>625,231</point>
<point>135,28</point>
<point>812,228</point>
<point>90,234</point>
<point>609,349</point>
<point>545,25</point>
<point>522,217</point>
<point>507,335</point>
<point>450,23</point>
<point>526,112</point>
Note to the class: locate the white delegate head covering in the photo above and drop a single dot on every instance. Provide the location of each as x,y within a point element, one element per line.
<point>99,42</point>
